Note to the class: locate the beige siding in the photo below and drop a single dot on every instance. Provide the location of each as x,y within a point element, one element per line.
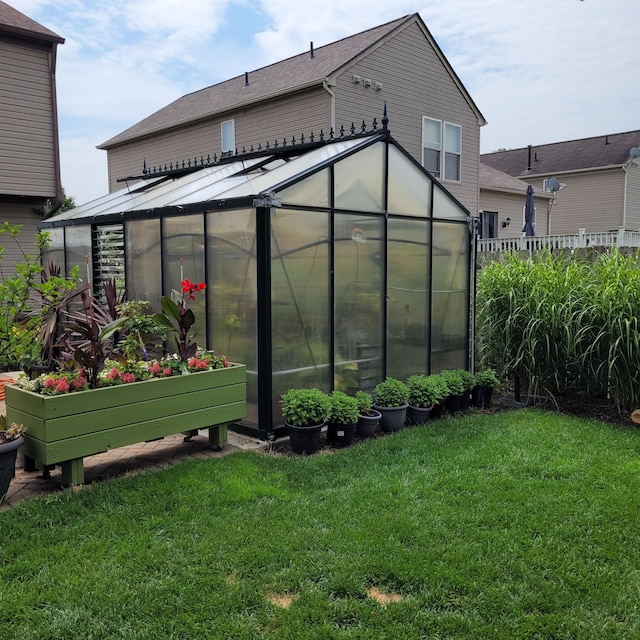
<point>632,217</point>
<point>592,201</point>
<point>415,83</point>
<point>297,114</point>
<point>27,151</point>
<point>18,214</point>
<point>511,206</point>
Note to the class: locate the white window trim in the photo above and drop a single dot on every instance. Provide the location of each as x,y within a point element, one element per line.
<point>443,148</point>
<point>232,148</point>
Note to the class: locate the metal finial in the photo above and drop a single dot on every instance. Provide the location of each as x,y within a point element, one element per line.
<point>385,119</point>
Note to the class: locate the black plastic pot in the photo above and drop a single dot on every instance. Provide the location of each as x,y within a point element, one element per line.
<point>305,440</point>
<point>482,396</point>
<point>453,403</point>
<point>437,411</point>
<point>341,435</point>
<point>367,424</point>
<point>393,418</point>
<point>417,415</point>
<point>8,455</point>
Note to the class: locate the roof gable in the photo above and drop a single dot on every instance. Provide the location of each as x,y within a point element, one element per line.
<point>15,23</point>
<point>573,155</point>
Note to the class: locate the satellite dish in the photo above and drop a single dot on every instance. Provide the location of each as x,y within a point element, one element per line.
<point>634,152</point>
<point>554,185</point>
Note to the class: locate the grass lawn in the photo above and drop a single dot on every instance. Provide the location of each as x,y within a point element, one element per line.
<point>522,524</point>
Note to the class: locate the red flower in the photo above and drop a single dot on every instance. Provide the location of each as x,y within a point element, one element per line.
<point>128,377</point>
<point>191,288</point>
<point>114,374</point>
<point>62,386</point>
<point>167,371</point>
<point>50,383</point>
<point>225,362</point>
<point>154,368</point>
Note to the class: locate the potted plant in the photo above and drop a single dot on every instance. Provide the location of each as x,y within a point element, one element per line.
<point>11,439</point>
<point>368,417</point>
<point>485,382</point>
<point>453,402</point>
<point>391,399</point>
<point>342,418</point>
<point>425,391</point>
<point>468,381</point>
<point>305,412</point>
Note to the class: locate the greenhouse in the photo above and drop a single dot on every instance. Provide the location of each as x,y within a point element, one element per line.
<point>330,263</point>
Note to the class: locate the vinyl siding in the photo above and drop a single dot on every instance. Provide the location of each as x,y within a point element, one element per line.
<point>294,115</point>
<point>592,201</point>
<point>415,83</point>
<point>511,206</point>
<point>633,198</point>
<point>27,150</point>
<point>18,214</point>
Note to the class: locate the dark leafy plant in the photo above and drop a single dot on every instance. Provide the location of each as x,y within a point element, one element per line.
<point>391,393</point>
<point>305,407</point>
<point>343,409</point>
<point>454,381</point>
<point>426,390</point>
<point>487,378</point>
<point>364,401</point>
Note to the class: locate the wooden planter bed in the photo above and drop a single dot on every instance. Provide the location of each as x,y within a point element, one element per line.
<point>64,429</point>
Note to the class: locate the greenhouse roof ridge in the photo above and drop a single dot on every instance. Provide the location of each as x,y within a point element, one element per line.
<point>282,149</point>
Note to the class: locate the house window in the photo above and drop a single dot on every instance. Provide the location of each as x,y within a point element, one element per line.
<point>441,148</point>
<point>228,135</point>
<point>488,224</point>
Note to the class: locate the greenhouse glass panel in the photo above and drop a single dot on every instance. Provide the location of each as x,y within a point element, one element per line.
<point>446,208</point>
<point>449,328</point>
<point>232,299</point>
<point>54,252</point>
<point>77,249</point>
<point>359,180</point>
<point>409,188</point>
<point>143,260</point>
<point>359,296</point>
<point>300,302</point>
<point>313,191</point>
<point>183,258</point>
<point>408,297</point>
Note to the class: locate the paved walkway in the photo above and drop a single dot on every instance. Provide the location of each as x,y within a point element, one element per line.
<point>123,461</point>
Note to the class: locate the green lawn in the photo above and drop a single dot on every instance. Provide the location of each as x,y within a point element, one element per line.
<point>516,525</point>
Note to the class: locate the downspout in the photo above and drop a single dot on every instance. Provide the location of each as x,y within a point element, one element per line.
<point>332,108</point>
<point>624,199</point>
<point>54,113</point>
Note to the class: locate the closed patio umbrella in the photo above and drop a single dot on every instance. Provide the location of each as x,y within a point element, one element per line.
<point>529,213</point>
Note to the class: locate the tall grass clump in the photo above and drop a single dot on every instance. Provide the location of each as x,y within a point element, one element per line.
<point>560,323</point>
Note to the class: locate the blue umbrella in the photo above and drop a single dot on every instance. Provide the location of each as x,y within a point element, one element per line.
<point>529,213</point>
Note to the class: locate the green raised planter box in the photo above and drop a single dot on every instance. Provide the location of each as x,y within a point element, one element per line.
<point>64,429</point>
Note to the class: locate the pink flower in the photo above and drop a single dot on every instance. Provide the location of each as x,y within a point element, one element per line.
<point>167,371</point>
<point>77,383</point>
<point>114,374</point>
<point>155,369</point>
<point>128,377</point>
<point>225,362</point>
<point>62,386</point>
<point>50,383</point>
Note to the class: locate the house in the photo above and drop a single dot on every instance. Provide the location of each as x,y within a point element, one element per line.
<point>597,182</point>
<point>323,91</point>
<point>29,153</point>
<point>502,199</point>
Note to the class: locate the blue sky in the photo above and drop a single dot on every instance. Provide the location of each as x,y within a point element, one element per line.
<point>539,70</point>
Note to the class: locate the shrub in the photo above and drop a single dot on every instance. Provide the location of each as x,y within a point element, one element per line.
<point>487,378</point>
<point>453,380</point>
<point>343,409</point>
<point>305,407</point>
<point>391,393</point>
<point>425,391</point>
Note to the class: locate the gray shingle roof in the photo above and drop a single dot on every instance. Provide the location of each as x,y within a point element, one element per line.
<point>573,155</point>
<point>16,23</point>
<point>275,79</point>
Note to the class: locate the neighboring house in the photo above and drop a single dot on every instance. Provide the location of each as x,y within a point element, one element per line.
<point>502,199</point>
<point>29,154</point>
<point>324,89</point>
<point>601,178</point>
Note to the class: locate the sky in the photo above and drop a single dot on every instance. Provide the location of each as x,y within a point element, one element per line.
<point>540,71</point>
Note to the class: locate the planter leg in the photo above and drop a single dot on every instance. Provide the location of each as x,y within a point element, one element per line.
<point>218,436</point>
<point>73,472</point>
<point>29,464</point>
